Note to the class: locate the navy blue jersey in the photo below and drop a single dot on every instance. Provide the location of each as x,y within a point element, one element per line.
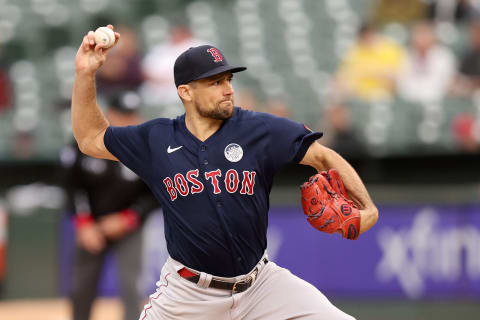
<point>215,193</point>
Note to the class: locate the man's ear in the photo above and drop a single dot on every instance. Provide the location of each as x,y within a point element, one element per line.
<point>185,92</point>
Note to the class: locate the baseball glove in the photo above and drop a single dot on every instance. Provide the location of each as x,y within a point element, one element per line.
<point>326,204</point>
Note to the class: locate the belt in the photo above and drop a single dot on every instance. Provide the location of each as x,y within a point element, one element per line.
<point>235,287</point>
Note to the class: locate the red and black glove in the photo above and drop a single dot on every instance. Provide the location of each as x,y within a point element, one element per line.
<point>326,204</point>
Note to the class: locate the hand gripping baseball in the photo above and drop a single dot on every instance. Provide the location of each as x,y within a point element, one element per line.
<point>91,55</point>
<point>326,204</point>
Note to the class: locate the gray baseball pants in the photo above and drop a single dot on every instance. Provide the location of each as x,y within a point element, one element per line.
<point>275,295</point>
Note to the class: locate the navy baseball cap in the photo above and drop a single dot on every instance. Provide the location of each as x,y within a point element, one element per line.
<point>201,62</point>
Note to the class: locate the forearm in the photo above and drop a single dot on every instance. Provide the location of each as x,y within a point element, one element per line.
<point>89,124</point>
<point>354,185</point>
<point>88,120</point>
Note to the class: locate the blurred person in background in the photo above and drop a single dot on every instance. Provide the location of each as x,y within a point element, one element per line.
<point>5,88</point>
<point>468,76</point>
<point>123,69</point>
<point>368,70</point>
<point>109,204</point>
<point>456,11</point>
<point>405,11</point>
<point>463,131</point>
<point>278,106</point>
<point>159,88</point>
<point>341,135</point>
<point>429,69</point>
<point>3,244</point>
<point>23,144</point>
<point>247,99</point>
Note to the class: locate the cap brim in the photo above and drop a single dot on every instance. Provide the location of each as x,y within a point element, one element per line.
<point>220,69</point>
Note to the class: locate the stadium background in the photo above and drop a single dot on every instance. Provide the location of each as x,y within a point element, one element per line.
<point>415,169</point>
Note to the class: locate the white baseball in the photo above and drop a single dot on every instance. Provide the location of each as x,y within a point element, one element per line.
<point>105,36</point>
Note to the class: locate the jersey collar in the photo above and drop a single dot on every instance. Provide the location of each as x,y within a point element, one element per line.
<point>193,143</point>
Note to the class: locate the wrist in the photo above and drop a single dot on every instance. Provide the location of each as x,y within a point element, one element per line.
<point>130,218</point>
<point>82,72</point>
<point>83,219</point>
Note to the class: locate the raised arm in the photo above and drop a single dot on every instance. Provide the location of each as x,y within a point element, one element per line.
<point>323,158</point>
<point>88,121</point>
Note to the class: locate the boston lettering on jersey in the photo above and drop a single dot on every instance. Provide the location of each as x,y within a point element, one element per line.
<point>190,184</point>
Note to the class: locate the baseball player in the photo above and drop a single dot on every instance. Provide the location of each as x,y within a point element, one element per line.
<point>212,169</point>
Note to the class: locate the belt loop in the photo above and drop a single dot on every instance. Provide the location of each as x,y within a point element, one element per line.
<point>204,281</point>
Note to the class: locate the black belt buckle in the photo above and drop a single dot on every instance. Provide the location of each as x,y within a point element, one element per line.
<point>243,285</point>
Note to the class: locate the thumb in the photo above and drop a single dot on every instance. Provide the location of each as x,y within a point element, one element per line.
<point>100,53</point>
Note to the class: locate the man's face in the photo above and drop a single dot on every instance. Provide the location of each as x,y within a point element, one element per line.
<point>423,38</point>
<point>213,96</point>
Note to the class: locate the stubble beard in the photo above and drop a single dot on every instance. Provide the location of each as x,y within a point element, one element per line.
<point>218,113</point>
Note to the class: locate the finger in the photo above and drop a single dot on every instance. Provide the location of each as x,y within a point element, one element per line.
<point>99,242</point>
<point>117,37</point>
<point>102,226</point>
<point>85,43</point>
<point>100,51</point>
<point>90,245</point>
<point>94,248</point>
<point>91,37</point>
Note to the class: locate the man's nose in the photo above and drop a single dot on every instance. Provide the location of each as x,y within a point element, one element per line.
<point>228,91</point>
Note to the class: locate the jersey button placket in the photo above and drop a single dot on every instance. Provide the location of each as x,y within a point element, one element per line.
<point>203,155</point>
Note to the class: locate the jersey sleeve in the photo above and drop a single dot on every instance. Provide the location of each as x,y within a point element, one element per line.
<point>130,146</point>
<point>289,140</point>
